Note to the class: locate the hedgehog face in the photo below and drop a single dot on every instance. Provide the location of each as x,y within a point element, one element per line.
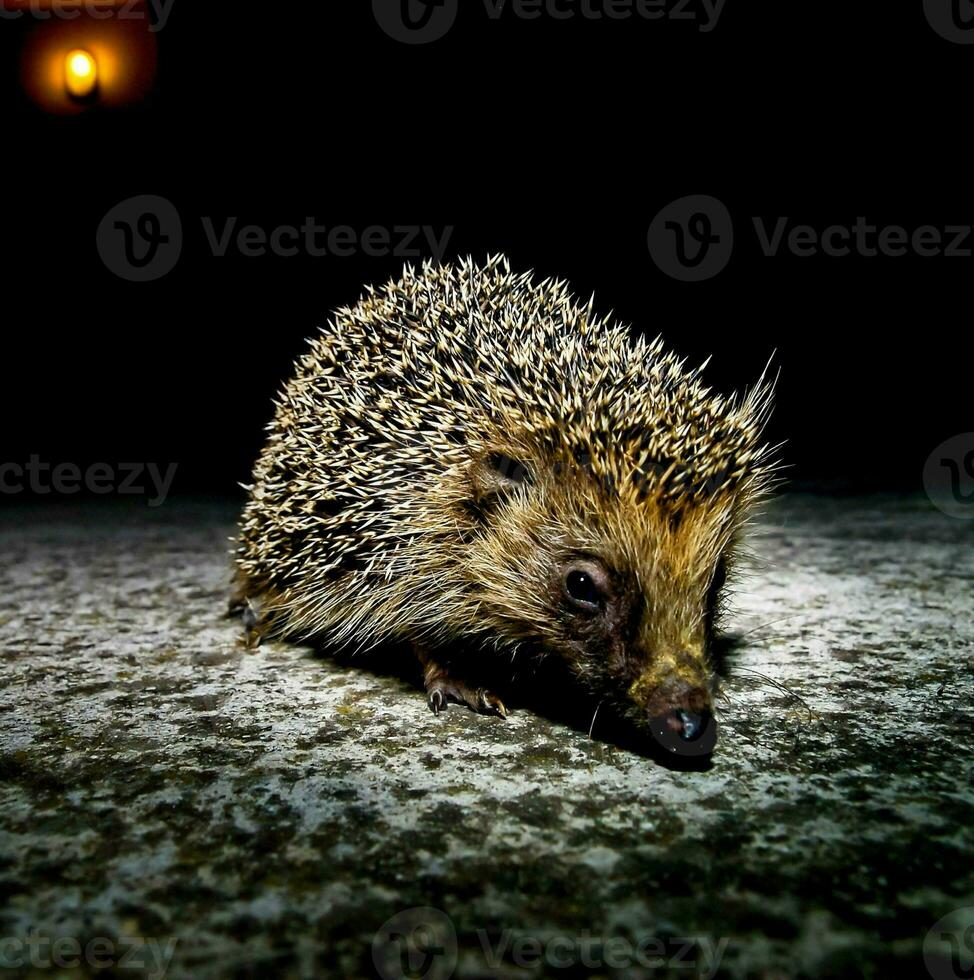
<point>636,630</point>
<point>623,588</point>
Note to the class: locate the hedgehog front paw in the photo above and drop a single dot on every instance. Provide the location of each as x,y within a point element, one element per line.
<point>441,690</point>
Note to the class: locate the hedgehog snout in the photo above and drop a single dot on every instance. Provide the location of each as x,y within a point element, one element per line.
<point>681,720</point>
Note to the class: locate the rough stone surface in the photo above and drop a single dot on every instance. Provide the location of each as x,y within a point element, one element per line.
<point>269,810</point>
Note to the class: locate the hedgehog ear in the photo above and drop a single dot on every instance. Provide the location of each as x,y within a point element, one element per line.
<point>508,469</point>
<point>496,473</point>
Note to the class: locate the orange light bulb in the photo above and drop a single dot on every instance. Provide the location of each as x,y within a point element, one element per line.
<point>80,73</point>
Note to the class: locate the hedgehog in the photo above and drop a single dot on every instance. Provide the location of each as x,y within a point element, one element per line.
<point>470,464</point>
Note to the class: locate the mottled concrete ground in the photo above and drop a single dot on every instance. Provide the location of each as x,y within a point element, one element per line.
<point>215,811</point>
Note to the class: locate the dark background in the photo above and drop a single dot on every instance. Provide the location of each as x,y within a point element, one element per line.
<point>555,143</point>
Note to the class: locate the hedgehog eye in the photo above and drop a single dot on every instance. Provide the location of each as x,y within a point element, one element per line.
<point>581,589</point>
<point>585,586</point>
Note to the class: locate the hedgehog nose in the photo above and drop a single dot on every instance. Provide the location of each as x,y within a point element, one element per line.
<point>686,732</point>
<point>687,724</point>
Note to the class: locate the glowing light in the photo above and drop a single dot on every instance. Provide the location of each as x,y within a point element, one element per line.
<point>80,74</point>
<point>117,67</point>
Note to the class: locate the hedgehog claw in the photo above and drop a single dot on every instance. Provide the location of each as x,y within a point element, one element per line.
<point>437,701</point>
<point>490,704</point>
<point>477,699</point>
